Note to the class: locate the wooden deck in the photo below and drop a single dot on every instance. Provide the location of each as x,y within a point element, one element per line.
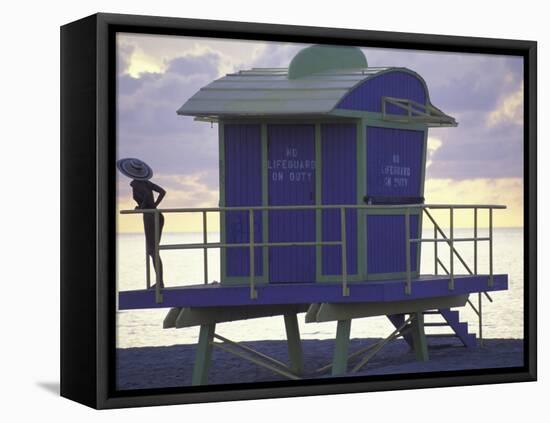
<point>217,295</point>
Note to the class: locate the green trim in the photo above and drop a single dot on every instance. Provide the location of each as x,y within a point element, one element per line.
<point>340,358</point>
<point>203,354</point>
<point>329,312</point>
<point>318,201</point>
<point>361,193</point>
<point>364,122</point>
<point>338,278</point>
<point>424,158</point>
<point>375,119</point>
<point>265,201</point>
<point>294,344</point>
<point>391,211</point>
<point>244,280</point>
<point>389,276</point>
<point>320,276</point>
<point>419,337</point>
<point>300,119</point>
<point>221,152</point>
<point>419,244</point>
<point>422,185</point>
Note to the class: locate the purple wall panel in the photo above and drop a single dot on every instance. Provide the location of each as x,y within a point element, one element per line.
<point>368,95</point>
<point>291,174</point>
<point>243,187</point>
<point>339,186</point>
<point>394,162</point>
<point>386,243</point>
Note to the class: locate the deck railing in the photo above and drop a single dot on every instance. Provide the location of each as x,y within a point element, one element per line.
<point>453,252</point>
<point>407,209</point>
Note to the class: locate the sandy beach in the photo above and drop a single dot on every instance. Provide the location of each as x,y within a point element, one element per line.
<point>172,366</point>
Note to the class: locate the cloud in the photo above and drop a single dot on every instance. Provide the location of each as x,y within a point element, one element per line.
<point>501,191</point>
<point>509,110</point>
<point>206,65</point>
<point>147,124</point>
<point>456,81</point>
<point>159,73</point>
<point>124,54</point>
<point>181,191</point>
<point>187,191</point>
<point>474,150</point>
<point>433,146</point>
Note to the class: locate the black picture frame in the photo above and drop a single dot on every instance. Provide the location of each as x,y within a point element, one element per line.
<point>88,208</point>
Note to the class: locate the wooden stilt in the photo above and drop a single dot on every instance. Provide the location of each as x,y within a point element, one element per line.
<point>340,359</point>
<point>397,320</point>
<point>419,337</point>
<point>294,343</point>
<point>203,354</point>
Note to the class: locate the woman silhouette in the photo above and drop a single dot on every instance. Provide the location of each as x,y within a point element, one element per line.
<point>142,192</point>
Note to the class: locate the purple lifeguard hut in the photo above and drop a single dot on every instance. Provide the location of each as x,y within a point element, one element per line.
<point>322,169</point>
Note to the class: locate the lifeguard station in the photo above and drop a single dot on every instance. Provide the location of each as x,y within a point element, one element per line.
<point>322,169</point>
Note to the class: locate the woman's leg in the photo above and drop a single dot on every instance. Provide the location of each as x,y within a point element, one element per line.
<point>149,226</point>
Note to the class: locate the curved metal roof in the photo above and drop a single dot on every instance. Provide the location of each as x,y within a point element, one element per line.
<point>269,91</point>
<point>262,91</point>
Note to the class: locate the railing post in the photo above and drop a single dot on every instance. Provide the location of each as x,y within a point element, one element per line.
<point>147,267</point>
<point>479,298</point>
<point>475,240</point>
<point>205,249</point>
<point>435,251</point>
<point>480,317</point>
<point>158,295</point>
<point>343,239</point>
<point>451,244</point>
<point>490,247</point>
<point>253,292</point>
<point>408,250</point>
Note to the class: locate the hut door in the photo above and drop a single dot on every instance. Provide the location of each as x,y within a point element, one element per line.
<point>291,174</point>
<point>394,176</point>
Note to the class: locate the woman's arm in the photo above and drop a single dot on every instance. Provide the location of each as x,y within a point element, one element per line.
<point>161,193</point>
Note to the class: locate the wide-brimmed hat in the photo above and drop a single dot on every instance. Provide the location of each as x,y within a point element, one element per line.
<point>135,168</point>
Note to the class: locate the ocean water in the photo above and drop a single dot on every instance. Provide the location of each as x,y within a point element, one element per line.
<point>503,318</point>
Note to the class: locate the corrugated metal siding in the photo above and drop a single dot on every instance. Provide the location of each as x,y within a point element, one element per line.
<point>394,162</point>
<point>368,95</point>
<point>291,173</point>
<point>339,186</point>
<point>243,187</point>
<point>386,243</point>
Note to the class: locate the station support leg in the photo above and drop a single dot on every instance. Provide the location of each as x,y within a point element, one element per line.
<point>203,354</point>
<point>294,343</point>
<point>397,320</point>
<point>419,337</point>
<point>340,359</point>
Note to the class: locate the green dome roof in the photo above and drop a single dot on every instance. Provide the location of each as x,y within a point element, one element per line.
<point>319,58</point>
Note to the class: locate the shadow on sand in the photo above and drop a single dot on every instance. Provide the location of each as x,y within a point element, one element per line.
<point>156,367</point>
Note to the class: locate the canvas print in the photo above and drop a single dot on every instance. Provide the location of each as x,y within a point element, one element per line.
<point>289,212</point>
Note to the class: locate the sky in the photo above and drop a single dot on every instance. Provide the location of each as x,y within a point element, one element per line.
<point>480,161</point>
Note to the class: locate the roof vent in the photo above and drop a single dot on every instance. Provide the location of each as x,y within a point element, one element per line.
<point>319,58</point>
